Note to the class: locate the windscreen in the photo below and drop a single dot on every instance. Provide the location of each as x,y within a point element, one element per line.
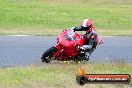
<point>70,36</point>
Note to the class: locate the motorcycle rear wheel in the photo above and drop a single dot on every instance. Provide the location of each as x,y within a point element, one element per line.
<point>48,54</point>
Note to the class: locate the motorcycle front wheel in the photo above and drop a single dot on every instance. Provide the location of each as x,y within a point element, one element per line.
<point>48,54</point>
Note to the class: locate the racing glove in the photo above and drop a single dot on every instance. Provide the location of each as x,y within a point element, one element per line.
<point>79,28</point>
<point>72,28</point>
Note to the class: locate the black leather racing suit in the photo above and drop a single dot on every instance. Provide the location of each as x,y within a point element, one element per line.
<point>90,42</point>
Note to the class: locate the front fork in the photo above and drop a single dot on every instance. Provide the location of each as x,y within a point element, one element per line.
<point>59,52</point>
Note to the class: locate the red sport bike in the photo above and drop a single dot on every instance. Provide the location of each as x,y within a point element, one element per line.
<point>66,48</point>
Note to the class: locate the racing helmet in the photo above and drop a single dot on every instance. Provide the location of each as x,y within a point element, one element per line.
<point>86,23</point>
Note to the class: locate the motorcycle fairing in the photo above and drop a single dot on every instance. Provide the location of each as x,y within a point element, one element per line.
<point>68,41</point>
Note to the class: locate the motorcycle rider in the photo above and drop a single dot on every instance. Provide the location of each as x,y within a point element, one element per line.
<point>90,36</point>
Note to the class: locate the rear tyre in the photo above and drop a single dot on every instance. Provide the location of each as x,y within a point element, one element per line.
<point>48,54</point>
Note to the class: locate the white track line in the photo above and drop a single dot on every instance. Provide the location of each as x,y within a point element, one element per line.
<point>19,35</point>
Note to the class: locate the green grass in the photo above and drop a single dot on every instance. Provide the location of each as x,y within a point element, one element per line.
<point>35,16</point>
<point>59,75</point>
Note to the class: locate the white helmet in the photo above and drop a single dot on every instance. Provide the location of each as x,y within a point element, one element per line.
<point>86,23</point>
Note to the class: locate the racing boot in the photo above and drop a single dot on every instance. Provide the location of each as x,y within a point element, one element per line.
<point>86,56</point>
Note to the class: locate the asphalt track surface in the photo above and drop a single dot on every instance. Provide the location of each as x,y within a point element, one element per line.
<point>26,50</point>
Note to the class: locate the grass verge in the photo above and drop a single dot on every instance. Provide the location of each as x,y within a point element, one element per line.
<point>56,32</point>
<point>49,17</point>
<point>59,75</point>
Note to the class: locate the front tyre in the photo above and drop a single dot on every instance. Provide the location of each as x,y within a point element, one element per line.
<point>48,54</point>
